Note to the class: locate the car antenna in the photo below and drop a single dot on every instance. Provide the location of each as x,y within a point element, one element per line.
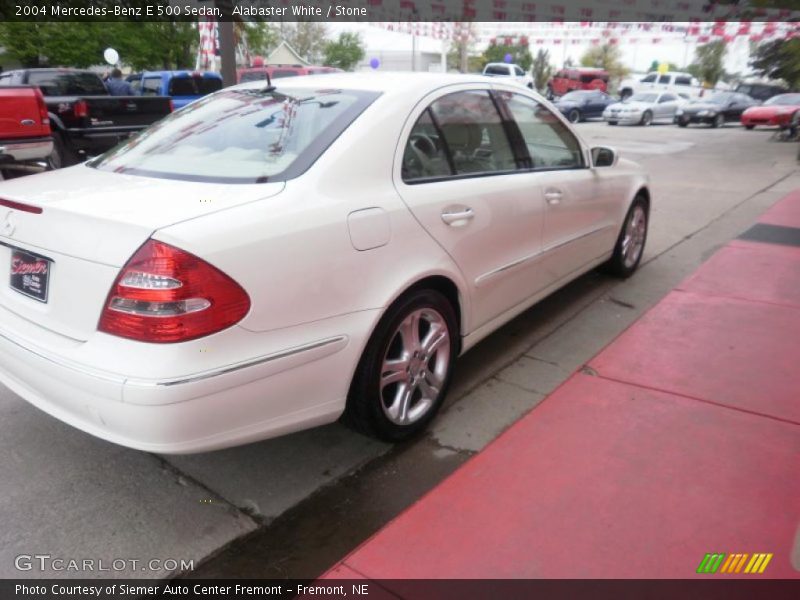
<point>269,87</point>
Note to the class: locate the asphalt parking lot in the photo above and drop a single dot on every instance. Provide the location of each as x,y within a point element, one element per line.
<point>291,507</point>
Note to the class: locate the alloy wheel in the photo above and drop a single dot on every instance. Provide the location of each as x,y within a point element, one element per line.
<point>635,232</point>
<point>415,366</point>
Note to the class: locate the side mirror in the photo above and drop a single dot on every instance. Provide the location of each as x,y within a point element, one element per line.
<point>603,157</point>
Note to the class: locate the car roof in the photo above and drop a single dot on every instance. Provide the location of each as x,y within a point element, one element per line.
<point>384,81</point>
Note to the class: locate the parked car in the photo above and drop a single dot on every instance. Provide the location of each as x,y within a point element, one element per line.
<point>760,91</point>
<point>644,108</point>
<point>259,73</point>
<point>85,119</point>
<point>183,87</point>
<point>25,140</point>
<point>510,72</point>
<point>579,78</point>
<point>583,104</point>
<point>775,112</point>
<point>237,286</point>
<point>672,81</point>
<point>716,110</point>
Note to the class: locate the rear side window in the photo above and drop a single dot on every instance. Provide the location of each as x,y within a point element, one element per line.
<point>588,78</point>
<point>496,70</point>
<point>278,73</point>
<point>182,86</point>
<point>208,85</point>
<point>240,136</point>
<point>253,76</point>
<point>550,143</point>
<point>55,83</point>
<point>459,134</point>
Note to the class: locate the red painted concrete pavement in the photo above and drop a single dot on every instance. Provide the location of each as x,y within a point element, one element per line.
<point>682,438</point>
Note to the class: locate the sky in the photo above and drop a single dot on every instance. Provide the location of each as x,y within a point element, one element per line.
<point>637,56</point>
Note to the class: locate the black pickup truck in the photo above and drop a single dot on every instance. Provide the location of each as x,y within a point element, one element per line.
<point>86,120</point>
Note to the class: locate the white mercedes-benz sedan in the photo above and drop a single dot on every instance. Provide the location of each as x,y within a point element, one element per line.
<point>270,259</point>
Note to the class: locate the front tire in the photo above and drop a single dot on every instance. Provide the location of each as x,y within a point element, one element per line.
<point>749,127</point>
<point>647,118</point>
<point>403,375</point>
<point>630,244</point>
<point>574,116</point>
<point>683,122</point>
<point>718,122</point>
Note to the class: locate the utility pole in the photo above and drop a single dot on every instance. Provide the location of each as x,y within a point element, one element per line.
<point>227,43</point>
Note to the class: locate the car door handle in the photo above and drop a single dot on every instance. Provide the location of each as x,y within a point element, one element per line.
<point>553,196</point>
<point>456,217</point>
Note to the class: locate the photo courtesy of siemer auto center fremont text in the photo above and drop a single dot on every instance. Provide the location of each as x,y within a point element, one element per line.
<point>411,299</point>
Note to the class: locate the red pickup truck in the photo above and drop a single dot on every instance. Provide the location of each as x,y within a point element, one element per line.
<point>25,140</point>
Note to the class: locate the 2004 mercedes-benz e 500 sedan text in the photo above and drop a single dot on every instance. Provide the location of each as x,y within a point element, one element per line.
<point>270,259</point>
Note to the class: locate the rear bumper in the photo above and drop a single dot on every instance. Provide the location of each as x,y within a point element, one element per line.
<point>270,395</point>
<point>25,150</point>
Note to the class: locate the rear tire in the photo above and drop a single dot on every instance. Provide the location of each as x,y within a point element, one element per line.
<point>748,127</point>
<point>718,122</point>
<point>403,375</point>
<point>612,122</point>
<point>630,244</point>
<point>683,122</point>
<point>61,156</point>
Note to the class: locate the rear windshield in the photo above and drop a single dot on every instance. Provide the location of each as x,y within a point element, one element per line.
<point>590,77</point>
<point>277,73</point>
<point>194,86</point>
<point>53,83</point>
<point>240,136</point>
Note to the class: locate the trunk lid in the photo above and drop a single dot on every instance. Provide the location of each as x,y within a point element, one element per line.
<point>91,222</point>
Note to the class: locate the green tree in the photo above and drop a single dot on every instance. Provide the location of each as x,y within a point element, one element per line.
<point>308,38</point>
<point>261,38</point>
<point>520,54</point>
<point>779,59</point>
<point>155,45</point>
<point>542,70</point>
<point>607,57</point>
<point>345,51</point>
<point>708,62</point>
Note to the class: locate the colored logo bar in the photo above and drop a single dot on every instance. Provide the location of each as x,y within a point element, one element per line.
<point>734,563</point>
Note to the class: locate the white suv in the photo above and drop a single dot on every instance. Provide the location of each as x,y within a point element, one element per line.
<point>509,71</point>
<point>672,81</point>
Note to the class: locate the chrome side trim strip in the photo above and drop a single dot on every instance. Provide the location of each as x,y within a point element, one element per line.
<point>241,365</point>
<point>482,279</point>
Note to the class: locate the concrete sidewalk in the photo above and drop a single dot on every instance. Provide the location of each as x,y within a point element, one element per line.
<point>680,439</point>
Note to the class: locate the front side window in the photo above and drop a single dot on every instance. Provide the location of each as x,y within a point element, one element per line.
<point>650,78</point>
<point>151,86</point>
<point>683,80</point>
<point>666,98</point>
<point>240,136</point>
<point>550,143</point>
<point>664,79</point>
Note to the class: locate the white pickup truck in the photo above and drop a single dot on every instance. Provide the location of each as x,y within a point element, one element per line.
<point>509,71</point>
<point>672,81</point>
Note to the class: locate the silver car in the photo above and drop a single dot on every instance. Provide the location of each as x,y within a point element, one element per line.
<point>645,108</point>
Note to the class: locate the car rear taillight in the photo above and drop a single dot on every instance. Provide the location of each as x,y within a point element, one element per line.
<point>80,109</point>
<point>165,295</point>
<point>171,105</point>
<point>44,115</point>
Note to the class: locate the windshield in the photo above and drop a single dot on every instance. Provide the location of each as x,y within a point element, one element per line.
<point>253,76</point>
<point>784,100</point>
<point>54,83</point>
<point>643,98</point>
<point>576,96</point>
<point>240,136</point>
